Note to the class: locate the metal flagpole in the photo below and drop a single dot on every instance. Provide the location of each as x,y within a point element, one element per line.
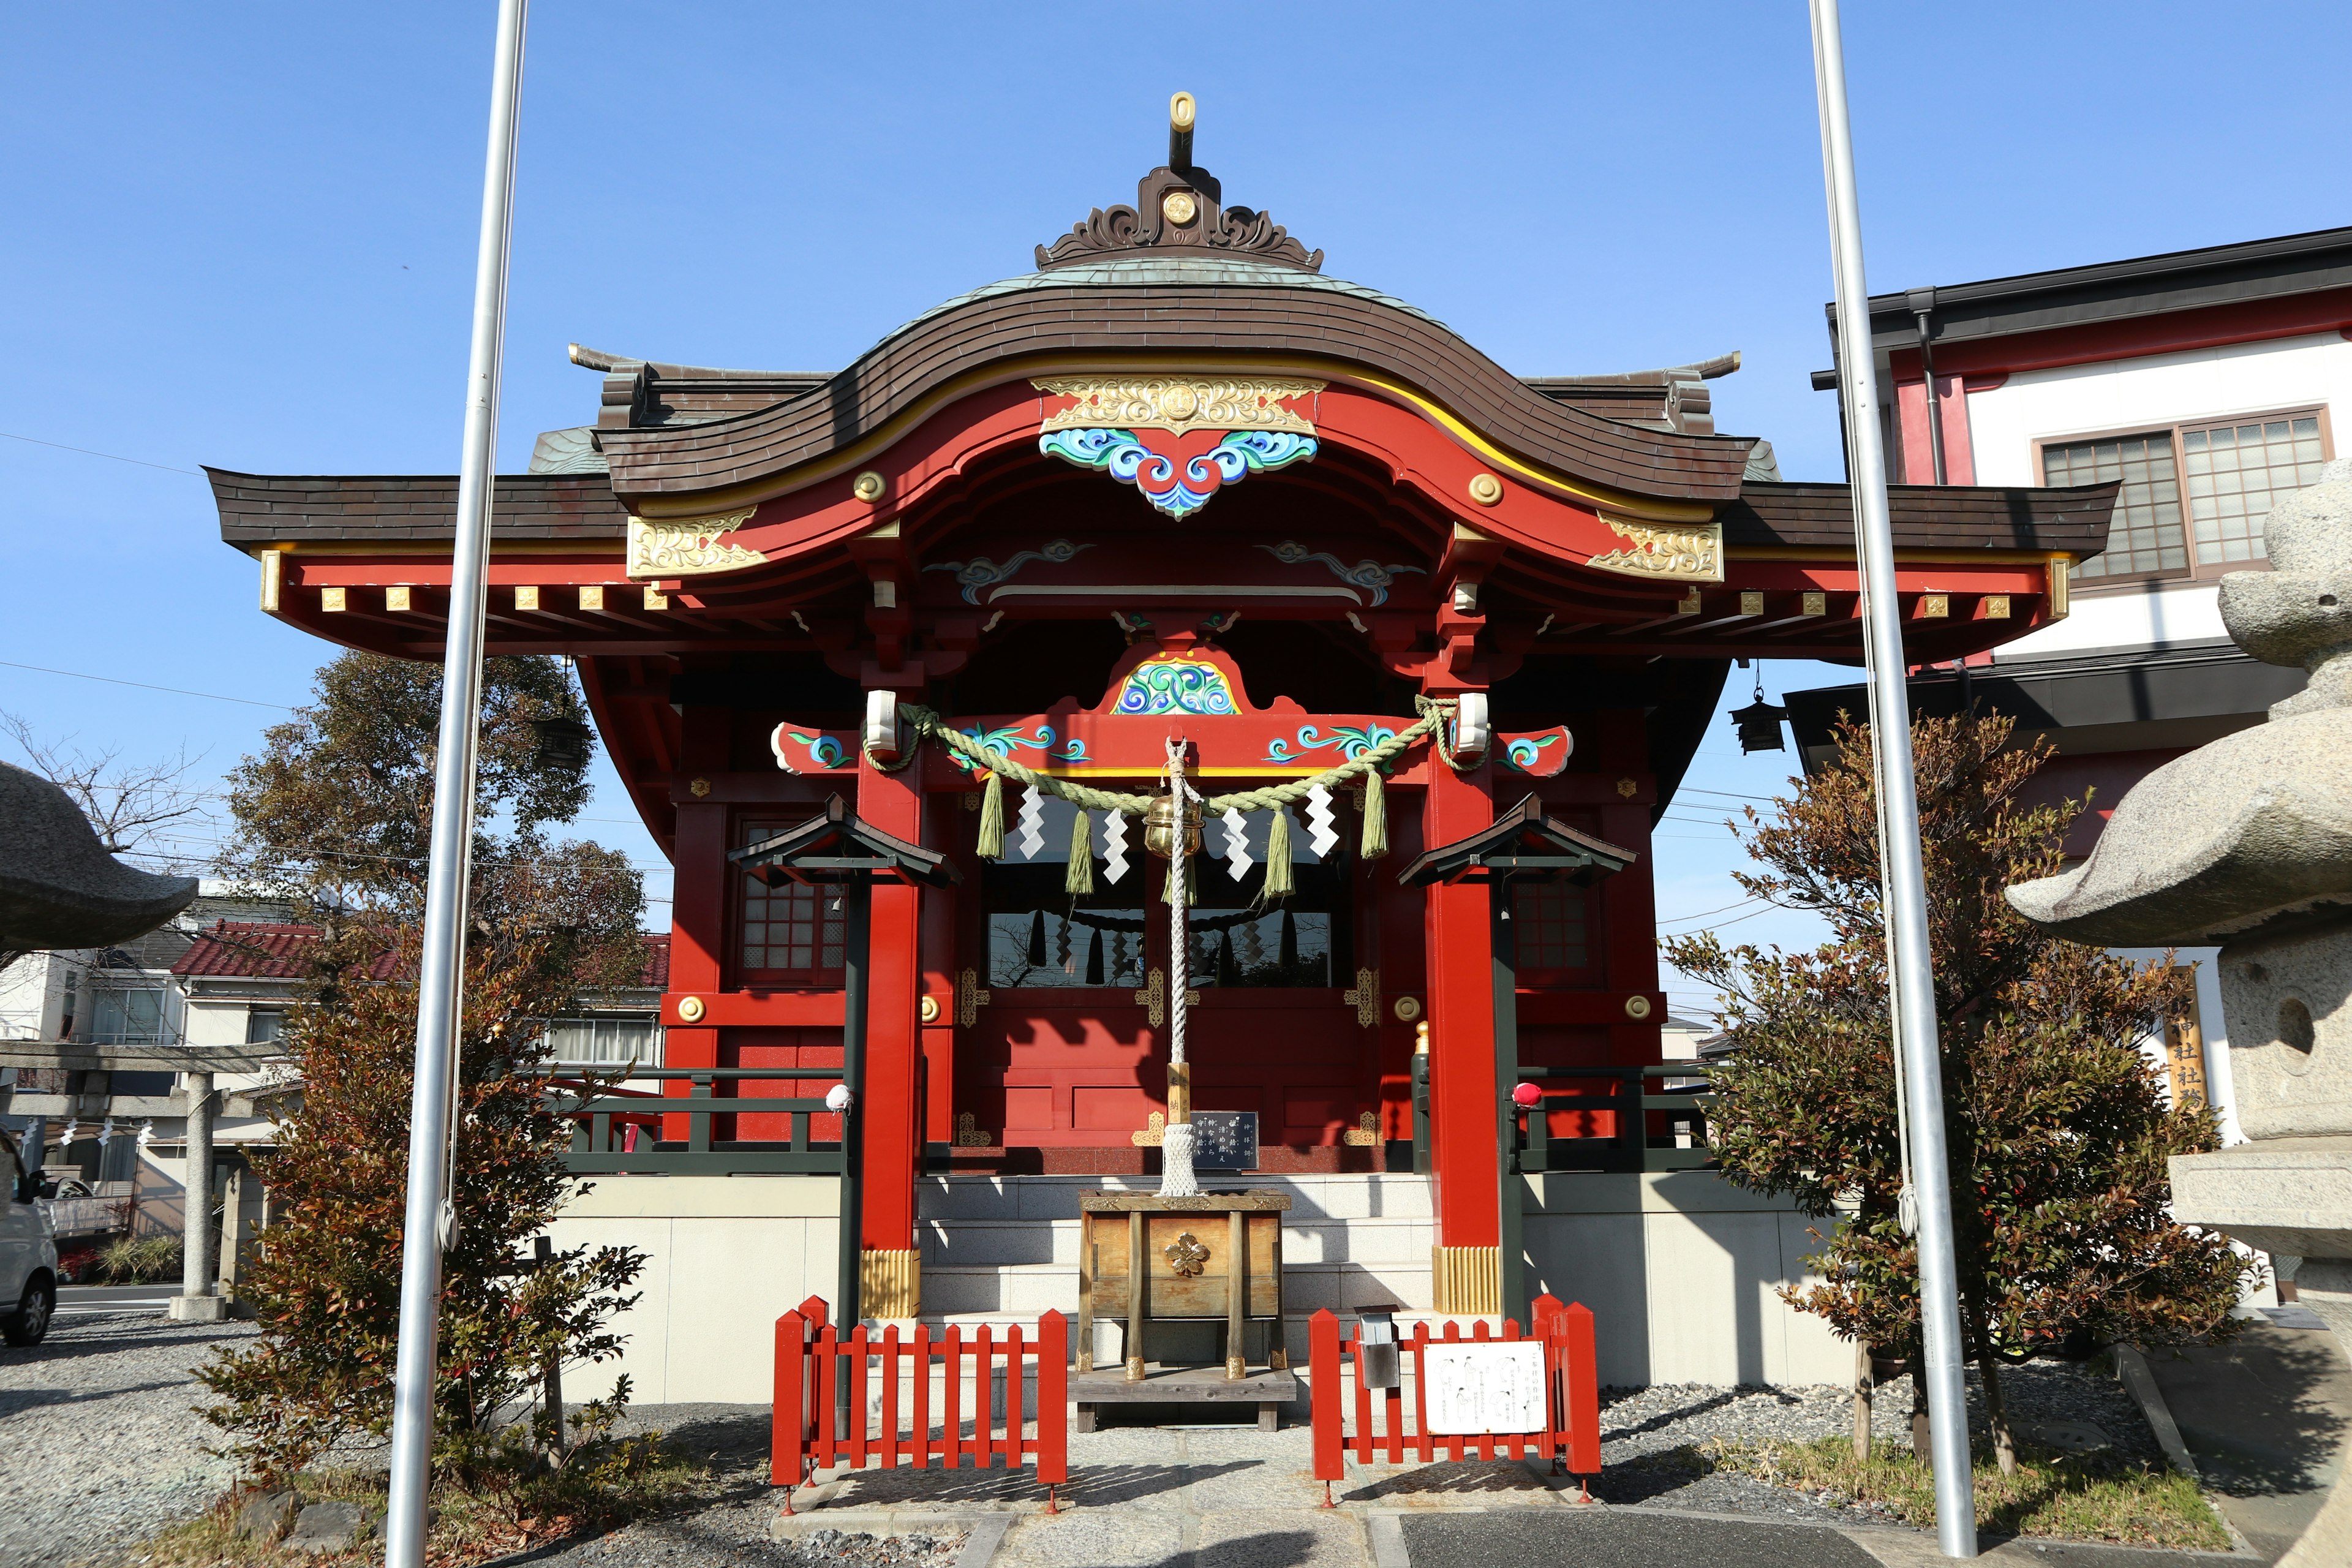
<point>1906,1204</point>
<point>431,1220</point>
<point>1903,903</point>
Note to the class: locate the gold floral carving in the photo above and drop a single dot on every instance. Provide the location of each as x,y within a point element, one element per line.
<point>1672,553</point>
<point>1176,404</point>
<point>688,546</point>
<point>1186,1256</point>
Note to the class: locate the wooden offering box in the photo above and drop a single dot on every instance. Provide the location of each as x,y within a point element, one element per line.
<point>1143,1257</point>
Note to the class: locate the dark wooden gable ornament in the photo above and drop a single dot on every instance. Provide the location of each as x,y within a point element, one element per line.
<point>1179,210</point>
<point>1521,845</point>
<point>835,847</point>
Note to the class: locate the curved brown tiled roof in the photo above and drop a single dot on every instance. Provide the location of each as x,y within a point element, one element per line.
<point>1928,517</point>
<point>1230,311</point>
<point>259,508</point>
<point>256,509</point>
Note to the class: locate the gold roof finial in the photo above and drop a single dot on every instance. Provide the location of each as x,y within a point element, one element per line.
<point>1183,110</point>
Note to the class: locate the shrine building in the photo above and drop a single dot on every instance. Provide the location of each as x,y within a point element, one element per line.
<point>1175,484</point>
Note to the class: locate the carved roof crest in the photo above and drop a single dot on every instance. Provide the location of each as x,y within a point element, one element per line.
<point>1179,210</point>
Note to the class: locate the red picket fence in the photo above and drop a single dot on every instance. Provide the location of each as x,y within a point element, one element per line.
<point>816,1362</point>
<point>1570,1437</point>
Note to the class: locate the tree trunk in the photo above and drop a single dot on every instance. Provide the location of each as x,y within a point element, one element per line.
<point>2004,1443</point>
<point>1863,1389</point>
<point>1923,1442</point>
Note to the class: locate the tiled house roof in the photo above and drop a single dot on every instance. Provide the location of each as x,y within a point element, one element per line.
<point>256,950</point>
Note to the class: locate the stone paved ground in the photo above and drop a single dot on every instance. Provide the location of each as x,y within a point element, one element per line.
<point>102,1445</point>
<point>1204,1497</point>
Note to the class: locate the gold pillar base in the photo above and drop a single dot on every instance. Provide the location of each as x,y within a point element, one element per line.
<point>1135,1369</point>
<point>890,1282</point>
<point>1467,1280</point>
<point>1235,1369</point>
<point>1277,1358</point>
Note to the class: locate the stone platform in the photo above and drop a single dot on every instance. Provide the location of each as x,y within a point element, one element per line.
<point>1269,1391</point>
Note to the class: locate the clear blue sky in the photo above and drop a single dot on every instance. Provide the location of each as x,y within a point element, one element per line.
<point>244,234</point>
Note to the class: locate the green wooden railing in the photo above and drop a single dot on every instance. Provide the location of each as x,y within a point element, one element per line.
<point>601,1144</point>
<point>1632,1148</point>
<point>1623,1090</point>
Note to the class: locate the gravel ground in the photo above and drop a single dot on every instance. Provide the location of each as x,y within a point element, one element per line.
<point>1651,1437</point>
<point>737,1532</point>
<point>103,1447</point>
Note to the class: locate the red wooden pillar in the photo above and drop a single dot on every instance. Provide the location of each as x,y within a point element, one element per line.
<point>697,931</point>
<point>1629,899</point>
<point>889,1279</point>
<point>1466,1163</point>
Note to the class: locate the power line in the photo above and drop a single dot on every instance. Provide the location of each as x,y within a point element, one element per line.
<point>143,686</point>
<point>111,457</point>
<point>1681,919</point>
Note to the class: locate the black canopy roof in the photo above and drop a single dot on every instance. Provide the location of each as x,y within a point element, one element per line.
<point>1524,844</point>
<point>836,847</point>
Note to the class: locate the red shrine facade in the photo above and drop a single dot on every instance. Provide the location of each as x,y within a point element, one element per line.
<point>1174,483</point>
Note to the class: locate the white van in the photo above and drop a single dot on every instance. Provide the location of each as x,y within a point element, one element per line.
<point>28,1256</point>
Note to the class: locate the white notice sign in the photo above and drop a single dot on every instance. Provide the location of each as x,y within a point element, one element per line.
<point>1491,1387</point>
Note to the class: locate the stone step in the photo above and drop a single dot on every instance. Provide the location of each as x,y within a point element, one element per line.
<point>951,1290</point>
<point>1035,1198</point>
<point>1374,1242</point>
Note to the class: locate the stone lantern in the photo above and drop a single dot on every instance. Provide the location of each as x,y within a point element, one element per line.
<point>2246,843</point>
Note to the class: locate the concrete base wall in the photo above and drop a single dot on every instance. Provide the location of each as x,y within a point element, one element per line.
<point>1681,1270</point>
<point>727,1255</point>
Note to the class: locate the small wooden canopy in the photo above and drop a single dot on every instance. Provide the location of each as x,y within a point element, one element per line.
<point>1522,845</point>
<point>835,847</point>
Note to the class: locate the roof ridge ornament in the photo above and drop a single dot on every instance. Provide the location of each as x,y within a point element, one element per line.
<point>1179,209</point>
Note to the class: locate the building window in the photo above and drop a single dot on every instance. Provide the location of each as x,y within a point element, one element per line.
<point>1548,925</point>
<point>2194,495</point>
<point>126,1017</point>
<point>790,933</point>
<point>2235,471</point>
<point>2146,536</point>
<point>605,1042</point>
<point>263,1025</point>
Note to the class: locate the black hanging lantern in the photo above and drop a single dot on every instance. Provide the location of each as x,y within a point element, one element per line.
<point>562,742</point>
<point>1759,723</point>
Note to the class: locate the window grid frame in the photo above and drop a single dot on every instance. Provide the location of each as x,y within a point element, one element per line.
<point>829,940</point>
<point>1534,965</point>
<point>2178,431</point>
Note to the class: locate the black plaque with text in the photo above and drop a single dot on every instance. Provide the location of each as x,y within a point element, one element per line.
<point>1224,1140</point>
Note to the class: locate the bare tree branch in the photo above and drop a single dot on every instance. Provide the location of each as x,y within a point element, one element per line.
<point>128,804</point>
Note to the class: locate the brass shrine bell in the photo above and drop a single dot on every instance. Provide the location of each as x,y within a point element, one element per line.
<point>1159,828</point>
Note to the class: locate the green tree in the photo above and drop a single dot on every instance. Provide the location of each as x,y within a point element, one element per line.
<point>335,813</point>
<point>2059,1126</point>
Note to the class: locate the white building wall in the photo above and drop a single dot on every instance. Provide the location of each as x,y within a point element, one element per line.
<point>33,992</point>
<point>1682,1272</point>
<point>727,1255</point>
<point>2121,396</point>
